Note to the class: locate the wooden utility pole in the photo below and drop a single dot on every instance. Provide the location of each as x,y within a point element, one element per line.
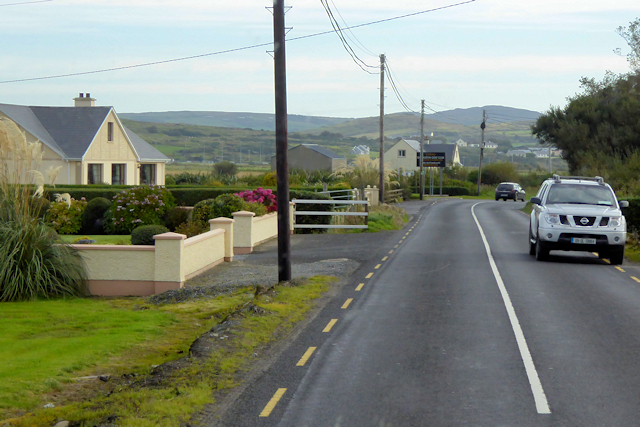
<point>421,151</point>
<point>282,164</point>
<point>381,128</point>
<point>482,126</point>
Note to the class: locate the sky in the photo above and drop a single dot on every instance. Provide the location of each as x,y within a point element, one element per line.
<point>527,54</point>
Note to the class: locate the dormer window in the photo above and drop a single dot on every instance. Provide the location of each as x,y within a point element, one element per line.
<point>110,131</point>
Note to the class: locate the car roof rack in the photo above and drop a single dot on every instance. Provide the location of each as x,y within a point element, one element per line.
<point>597,179</point>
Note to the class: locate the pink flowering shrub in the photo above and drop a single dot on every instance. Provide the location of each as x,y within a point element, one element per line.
<point>260,195</point>
<point>66,218</point>
<point>137,206</point>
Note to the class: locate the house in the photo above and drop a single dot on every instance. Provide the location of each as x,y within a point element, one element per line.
<point>490,144</point>
<point>403,154</point>
<point>90,143</point>
<point>312,157</point>
<point>461,143</point>
<point>519,153</point>
<point>360,150</point>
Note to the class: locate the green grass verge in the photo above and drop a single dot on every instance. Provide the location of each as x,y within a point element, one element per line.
<point>100,239</point>
<point>51,346</point>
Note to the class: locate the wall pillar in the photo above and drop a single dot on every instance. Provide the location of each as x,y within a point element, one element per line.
<point>243,232</point>
<point>225,224</point>
<point>169,273</point>
<point>372,195</point>
<point>292,217</point>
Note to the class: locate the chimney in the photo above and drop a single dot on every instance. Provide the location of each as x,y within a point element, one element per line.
<point>84,101</point>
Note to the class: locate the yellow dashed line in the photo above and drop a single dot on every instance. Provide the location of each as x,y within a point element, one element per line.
<point>385,258</point>
<point>636,279</point>
<point>607,261</point>
<point>396,246</point>
<point>620,269</point>
<point>377,266</point>
<point>369,276</point>
<point>330,325</point>
<point>305,357</point>
<point>273,402</point>
<point>406,235</point>
<point>360,286</point>
<point>346,303</point>
<point>391,251</point>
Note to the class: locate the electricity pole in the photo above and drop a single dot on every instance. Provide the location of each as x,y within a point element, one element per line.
<point>381,193</point>
<point>282,164</point>
<point>482,126</point>
<point>421,151</point>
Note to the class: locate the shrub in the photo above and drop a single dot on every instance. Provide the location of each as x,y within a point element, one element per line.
<point>65,217</point>
<point>93,216</point>
<point>35,263</point>
<point>174,217</point>
<point>192,228</point>
<point>257,208</point>
<point>143,235</point>
<point>270,179</point>
<point>137,206</point>
<point>260,195</point>
<point>222,206</point>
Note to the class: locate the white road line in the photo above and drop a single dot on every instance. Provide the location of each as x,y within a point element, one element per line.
<point>542,406</point>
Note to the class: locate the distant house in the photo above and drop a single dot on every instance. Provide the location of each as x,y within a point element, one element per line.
<point>90,143</point>
<point>518,153</point>
<point>404,154</point>
<point>490,144</point>
<point>461,143</point>
<point>360,150</point>
<point>312,157</point>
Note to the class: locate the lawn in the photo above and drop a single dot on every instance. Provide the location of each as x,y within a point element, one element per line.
<point>54,351</point>
<point>100,239</point>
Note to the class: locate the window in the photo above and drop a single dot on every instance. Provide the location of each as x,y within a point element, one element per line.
<point>402,153</point>
<point>110,131</point>
<point>148,174</point>
<point>94,173</point>
<point>118,176</point>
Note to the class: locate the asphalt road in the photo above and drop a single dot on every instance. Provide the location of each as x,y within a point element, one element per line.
<point>450,322</point>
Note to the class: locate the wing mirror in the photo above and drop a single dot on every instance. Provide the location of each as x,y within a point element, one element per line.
<point>536,200</point>
<point>623,203</point>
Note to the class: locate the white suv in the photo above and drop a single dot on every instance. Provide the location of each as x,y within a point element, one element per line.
<point>573,213</point>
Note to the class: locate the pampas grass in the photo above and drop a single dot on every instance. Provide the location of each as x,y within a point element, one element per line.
<point>34,262</point>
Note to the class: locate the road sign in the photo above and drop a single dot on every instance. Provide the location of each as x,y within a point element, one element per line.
<point>432,160</point>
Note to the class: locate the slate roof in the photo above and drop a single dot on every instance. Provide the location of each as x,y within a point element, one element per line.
<point>69,131</point>
<point>321,150</point>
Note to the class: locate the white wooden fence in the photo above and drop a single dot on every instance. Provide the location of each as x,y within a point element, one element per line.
<point>365,214</point>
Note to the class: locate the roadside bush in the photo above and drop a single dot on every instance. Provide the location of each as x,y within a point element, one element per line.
<point>222,206</point>
<point>137,206</point>
<point>143,235</point>
<point>93,215</point>
<point>65,217</point>
<point>192,228</point>
<point>35,263</point>
<point>495,173</point>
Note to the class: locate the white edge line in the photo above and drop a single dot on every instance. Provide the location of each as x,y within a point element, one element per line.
<point>542,405</point>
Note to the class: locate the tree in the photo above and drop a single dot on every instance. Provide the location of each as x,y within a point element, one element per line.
<point>226,168</point>
<point>632,36</point>
<point>605,119</point>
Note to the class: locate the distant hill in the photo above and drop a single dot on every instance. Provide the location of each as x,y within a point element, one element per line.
<point>495,113</point>
<point>255,121</point>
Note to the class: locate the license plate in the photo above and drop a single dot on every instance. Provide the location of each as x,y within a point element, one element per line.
<point>503,195</point>
<point>581,241</point>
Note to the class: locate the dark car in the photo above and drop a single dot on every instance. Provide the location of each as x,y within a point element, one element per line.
<point>510,190</point>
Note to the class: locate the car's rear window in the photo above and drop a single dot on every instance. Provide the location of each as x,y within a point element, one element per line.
<point>505,187</point>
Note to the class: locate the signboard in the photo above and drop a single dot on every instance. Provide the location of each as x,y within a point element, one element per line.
<point>432,160</point>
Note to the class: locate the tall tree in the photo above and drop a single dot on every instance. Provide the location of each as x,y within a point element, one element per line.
<point>632,36</point>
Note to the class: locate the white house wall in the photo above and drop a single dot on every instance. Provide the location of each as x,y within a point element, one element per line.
<point>107,153</point>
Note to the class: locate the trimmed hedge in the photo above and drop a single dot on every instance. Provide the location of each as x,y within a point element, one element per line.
<point>143,235</point>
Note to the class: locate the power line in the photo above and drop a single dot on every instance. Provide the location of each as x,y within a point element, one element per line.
<point>147,64</point>
<point>25,2</point>
<point>336,27</point>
